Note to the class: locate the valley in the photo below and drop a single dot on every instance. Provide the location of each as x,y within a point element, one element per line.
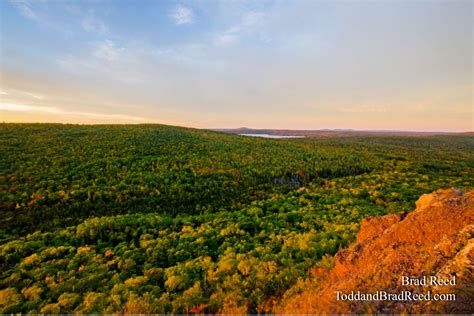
<point>164,219</point>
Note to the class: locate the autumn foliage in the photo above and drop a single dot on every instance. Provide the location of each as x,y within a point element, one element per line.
<point>161,219</point>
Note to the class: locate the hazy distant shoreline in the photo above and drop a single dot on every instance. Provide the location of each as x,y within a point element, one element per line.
<point>289,133</point>
<point>272,136</point>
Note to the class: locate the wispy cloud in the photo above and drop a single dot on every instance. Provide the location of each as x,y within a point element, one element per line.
<point>57,111</point>
<point>26,8</point>
<point>182,15</point>
<point>115,62</point>
<point>35,96</point>
<point>250,23</point>
<point>365,109</point>
<point>75,17</point>
<point>252,18</point>
<point>91,23</point>
<point>109,51</point>
<point>138,63</point>
<point>231,36</point>
<point>22,94</point>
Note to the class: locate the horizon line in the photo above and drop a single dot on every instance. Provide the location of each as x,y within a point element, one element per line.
<point>260,128</point>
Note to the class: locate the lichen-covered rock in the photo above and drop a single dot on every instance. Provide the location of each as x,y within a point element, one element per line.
<point>434,241</point>
<point>373,226</point>
<point>437,197</point>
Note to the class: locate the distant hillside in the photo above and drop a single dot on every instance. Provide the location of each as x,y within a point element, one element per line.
<point>327,132</point>
<point>436,240</point>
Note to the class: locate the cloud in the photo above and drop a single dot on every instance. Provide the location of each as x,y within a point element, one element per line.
<point>72,16</point>
<point>30,9</point>
<point>365,109</point>
<point>91,23</point>
<point>138,63</point>
<point>57,111</point>
<point>37,97</point>
<point>253,18</point>
<point>229,37</point>
<point>250,24</point>
<point>108,51</point>
<point>182,15</point>
<point>22,93</point>
<point>106,58</point>
<point>26,8</point>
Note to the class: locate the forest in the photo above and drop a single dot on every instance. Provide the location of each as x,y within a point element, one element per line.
<point>163,219</point>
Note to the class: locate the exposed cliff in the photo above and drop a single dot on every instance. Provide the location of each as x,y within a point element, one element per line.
<point>434,241</point>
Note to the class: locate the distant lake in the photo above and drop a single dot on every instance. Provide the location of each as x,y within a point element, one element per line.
<point>271,136</point>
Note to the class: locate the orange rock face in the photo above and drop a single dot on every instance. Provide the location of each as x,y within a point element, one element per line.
<point>426,255</point>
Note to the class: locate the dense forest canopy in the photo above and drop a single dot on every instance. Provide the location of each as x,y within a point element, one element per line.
<point>155,219</point>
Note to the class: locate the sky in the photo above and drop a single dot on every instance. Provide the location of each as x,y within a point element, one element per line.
<point>367,65</point>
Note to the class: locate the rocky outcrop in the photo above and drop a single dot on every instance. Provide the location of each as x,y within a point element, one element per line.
<point>427,254</point>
